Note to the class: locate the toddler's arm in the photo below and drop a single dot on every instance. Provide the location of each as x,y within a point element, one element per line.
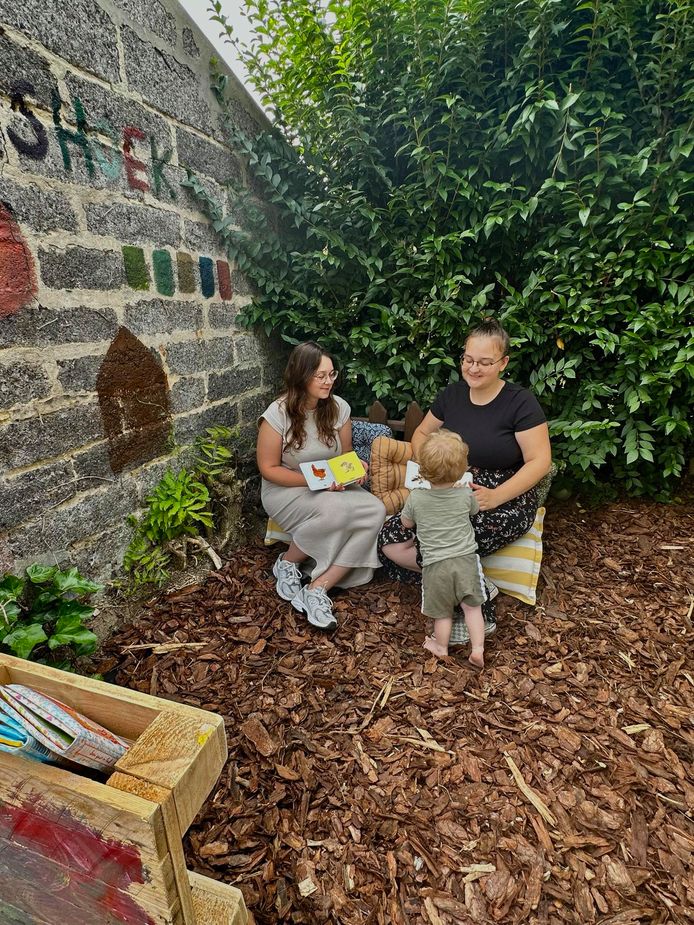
<point>407,515</point>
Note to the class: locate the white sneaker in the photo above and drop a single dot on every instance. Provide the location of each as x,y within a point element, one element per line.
<point>460,635</point>
<point>317,606</point>
<point>288,578</point>
<point>492,590</point>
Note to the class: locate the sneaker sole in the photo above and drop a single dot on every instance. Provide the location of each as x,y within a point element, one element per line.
<point>331,625</point>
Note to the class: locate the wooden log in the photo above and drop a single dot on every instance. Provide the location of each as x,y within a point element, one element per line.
<point>218,903</point>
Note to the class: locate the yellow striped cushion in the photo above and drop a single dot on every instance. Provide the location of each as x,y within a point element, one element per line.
<point>275,534</point>
<point>516,568</point>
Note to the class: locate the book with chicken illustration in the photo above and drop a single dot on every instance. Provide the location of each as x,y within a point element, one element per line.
<point>340,470</point>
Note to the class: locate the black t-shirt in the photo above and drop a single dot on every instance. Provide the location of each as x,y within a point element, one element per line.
<point>489,430</point>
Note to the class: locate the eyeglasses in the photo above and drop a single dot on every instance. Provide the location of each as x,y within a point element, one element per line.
<point>484,363</point>
<point>326,377</point>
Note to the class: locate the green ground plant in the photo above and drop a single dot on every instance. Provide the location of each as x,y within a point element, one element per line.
<point>432,162</point>
<point>45,612</point>
<point>199,506</point>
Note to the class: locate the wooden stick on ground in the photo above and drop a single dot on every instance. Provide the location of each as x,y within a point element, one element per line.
<point>529,793</point>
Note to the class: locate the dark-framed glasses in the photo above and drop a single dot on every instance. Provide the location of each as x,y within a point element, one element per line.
<point>485,362</point>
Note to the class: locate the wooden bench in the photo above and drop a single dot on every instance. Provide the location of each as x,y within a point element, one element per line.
<point>404,428</point>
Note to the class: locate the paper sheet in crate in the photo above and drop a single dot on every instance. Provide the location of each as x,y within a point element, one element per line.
<point>60,729</point>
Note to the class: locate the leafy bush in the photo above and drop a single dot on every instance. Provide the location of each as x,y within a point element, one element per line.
<point>436,160</point>
<point>46,607</point>
<point>182,505</point>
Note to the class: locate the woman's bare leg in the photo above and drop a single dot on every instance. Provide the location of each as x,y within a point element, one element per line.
<point>403,554</point>
<point>294,554</point>
<point>330,577</point>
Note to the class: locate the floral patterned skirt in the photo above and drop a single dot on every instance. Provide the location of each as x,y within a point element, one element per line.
<point>493,529</point>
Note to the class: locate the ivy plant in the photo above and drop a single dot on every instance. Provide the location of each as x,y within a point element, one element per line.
<point>432,161</point>
<point>46,611</point>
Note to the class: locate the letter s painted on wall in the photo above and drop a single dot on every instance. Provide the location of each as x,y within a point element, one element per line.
<point>37,149</point>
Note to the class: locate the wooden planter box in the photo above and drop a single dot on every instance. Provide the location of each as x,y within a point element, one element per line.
<point>74,851</point>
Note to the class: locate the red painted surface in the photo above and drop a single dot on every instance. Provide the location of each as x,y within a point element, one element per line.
<point>134,168</point>
<point>17,277</point>
<point>224,278</point>
<point>56,868</point>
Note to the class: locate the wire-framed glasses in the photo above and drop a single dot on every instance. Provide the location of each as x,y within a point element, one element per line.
<point>326,377</point>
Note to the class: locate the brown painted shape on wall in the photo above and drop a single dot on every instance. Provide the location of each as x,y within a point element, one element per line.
<point>17,277</point>
<point>134,399</point>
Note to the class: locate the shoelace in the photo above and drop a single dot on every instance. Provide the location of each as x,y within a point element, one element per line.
<point>321,596</point>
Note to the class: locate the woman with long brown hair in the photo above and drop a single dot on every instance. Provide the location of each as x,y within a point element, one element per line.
<point>333,532</point>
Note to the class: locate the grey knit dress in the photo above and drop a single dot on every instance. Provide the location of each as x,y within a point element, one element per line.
<point>331,527</point>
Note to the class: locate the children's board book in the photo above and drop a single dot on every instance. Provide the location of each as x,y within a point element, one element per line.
<point>57,729</point>
<point>414,480</point>
<point>16,740</point>
<point>340,470</point>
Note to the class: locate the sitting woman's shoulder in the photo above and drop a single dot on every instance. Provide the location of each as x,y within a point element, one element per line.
<point>344,410</point>
<point>275,414</point>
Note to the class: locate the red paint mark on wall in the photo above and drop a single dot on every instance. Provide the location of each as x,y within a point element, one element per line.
<point>134,167</point>
<point>56,868</point>
<point>17,277</point>
<point>224,277</point>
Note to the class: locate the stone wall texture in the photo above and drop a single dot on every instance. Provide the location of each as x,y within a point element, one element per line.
<point>117,337</point>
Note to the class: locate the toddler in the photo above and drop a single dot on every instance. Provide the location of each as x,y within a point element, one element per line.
<point>452,573</point>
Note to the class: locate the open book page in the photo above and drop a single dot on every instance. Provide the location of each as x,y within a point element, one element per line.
<point>340,470</point>
<point>62,730</point>
<point>414,480</point>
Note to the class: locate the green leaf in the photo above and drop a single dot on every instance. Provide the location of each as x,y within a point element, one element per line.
<point>69,631</point>
<point>22,641</point>
<point>11,588</point>
<point>72,582</point>
<point>41,574</point>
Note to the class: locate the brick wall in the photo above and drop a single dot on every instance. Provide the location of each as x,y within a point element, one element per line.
<point>117,306</point>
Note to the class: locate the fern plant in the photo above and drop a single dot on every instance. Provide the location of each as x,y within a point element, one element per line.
<point>182,507</point>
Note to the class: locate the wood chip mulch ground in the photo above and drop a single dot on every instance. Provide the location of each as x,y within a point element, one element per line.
<point>369,783</point>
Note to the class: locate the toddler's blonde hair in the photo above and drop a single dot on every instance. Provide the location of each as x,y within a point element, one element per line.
<point>443,457</point>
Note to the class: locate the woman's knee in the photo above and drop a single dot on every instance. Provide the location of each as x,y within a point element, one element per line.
<point>396,551</point>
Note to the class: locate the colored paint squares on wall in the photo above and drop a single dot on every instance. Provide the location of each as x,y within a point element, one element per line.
<point>206,277</point>
<point>224,279</point>
<point>163,272</point>
<point>136,272</point>
<point>187,277</point>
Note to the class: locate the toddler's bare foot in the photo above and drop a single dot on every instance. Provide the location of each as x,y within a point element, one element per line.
<point>432,645</point>
<point>477,658</point>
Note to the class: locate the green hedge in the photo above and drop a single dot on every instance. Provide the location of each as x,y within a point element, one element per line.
<point>431,162</point>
